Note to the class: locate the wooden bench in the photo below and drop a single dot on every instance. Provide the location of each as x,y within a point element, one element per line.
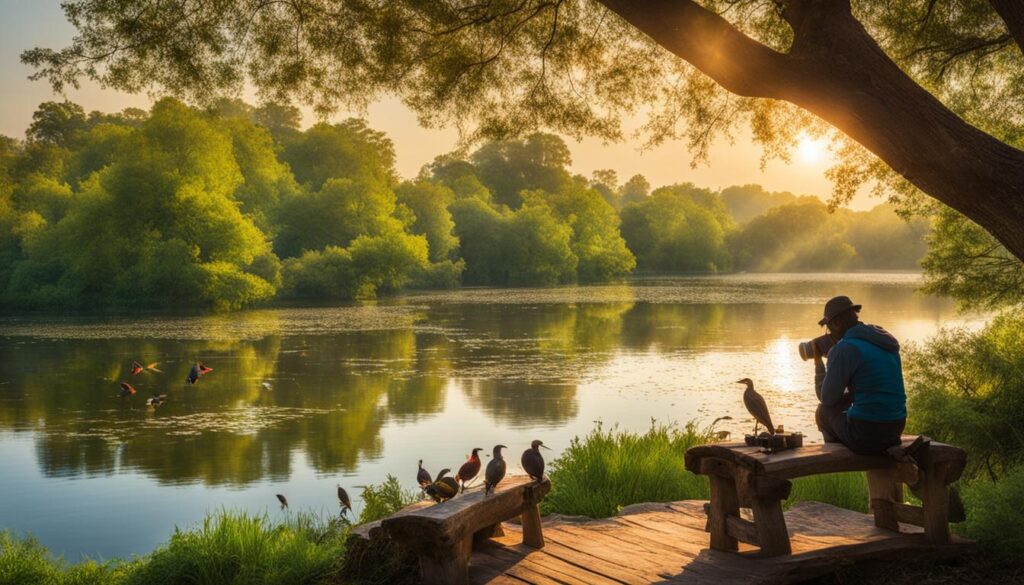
<point>745,477</point>
<point>442,535</point>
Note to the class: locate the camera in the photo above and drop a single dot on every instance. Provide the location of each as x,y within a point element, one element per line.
<point>823,343</point>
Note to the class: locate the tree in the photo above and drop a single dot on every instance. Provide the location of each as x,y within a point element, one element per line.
<point>635,190</point>
<point>606,182</point>
<point>745,202</point>
<point>671,232</point>
<point>506,167</point>
<point>429,203</point>
<point>349,150</point>
<point>56,123</point>
<point>901,79</point>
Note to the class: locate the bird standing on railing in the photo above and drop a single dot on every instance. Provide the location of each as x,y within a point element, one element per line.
<point>443,488</point>
<point>533,461</point>
<point>423,477</point>
<point>757,407</point>
<point>495,471</point>
<point>470,469</point>
<point>343,499</point>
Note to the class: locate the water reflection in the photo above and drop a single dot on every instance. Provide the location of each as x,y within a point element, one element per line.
<point>299,394</point>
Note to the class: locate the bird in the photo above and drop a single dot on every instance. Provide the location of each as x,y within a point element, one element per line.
<point>443,488</point>
<point>470,469</point>
<point>198,369</point>
<point>757,407</point>
<point>156,400</point>
<point>533,461</point>
<point>495,471</point>
<point>127,390</point>
<point>423,476</point>
<point>283,500</point>
<point>136,368</point>
<point>343,499</point>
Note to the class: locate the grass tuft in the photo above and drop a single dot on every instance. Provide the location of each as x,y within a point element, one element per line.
<point>380,501</point>
<point>607,470</point>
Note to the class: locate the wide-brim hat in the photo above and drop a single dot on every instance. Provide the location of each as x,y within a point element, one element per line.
<point>835,306</point>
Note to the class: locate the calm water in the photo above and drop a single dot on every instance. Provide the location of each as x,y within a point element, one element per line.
<point>302,399</point>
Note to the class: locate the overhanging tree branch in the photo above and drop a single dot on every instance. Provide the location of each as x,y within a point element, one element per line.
<point>1012,13</point>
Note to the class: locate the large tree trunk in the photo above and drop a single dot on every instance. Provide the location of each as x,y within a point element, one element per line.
<point>838,72</point>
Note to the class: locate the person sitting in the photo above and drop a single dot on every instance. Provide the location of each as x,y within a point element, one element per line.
<point>863,403</point>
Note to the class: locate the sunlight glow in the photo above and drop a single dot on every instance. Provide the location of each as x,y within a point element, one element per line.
<point>811,150</point>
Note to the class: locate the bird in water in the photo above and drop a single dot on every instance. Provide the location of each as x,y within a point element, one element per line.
<point>423,477</point>
<point>156,400</point>
<point>470,469</point>
<point>443,488</point>
<point>343,499</point>
<point>533,461</point>
<point>495,471</point>
<point>127,390</point>
<point>283,500</point>
<point>198,370</point>
<point>136,368</point>
<point>757,407</point>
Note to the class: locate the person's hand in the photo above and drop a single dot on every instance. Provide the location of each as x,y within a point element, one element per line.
<point>817,356</point>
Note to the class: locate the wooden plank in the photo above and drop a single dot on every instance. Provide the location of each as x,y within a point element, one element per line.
<point>772,536</point>
<point>884,491</point>
<point>909,514</point>
<point>724,503</point>
<point>557,569</point>
<point>935,501</point>
<point>611,568</point>
<point>742,530</point>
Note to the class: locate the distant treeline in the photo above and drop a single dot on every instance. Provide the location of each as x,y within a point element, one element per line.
<point>235,205</point>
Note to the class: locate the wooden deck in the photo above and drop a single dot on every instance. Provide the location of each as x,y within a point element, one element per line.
<point>666,543</point>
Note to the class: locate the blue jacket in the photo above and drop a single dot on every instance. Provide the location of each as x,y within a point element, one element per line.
<point>867,361</point>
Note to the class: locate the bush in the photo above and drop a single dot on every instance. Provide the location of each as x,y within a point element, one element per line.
<point>599,474</point>
<point>995,514</point>
<point>845,490</point>
<point>380,501</point>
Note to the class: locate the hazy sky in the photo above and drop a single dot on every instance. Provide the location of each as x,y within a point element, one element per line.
<point>29,23</point>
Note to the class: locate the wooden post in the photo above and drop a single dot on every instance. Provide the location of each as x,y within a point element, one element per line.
<point>884,491</point>
<point>935,500</point>
<point>533,534</point>
<point>447,566</point>
<point>771,527</point>
<point>724,503</point>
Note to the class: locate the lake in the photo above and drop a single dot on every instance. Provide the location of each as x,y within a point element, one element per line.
<point>301,399</point>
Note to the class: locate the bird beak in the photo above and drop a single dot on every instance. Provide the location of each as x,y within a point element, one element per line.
<point>740,382</point>
<point>545,447</point>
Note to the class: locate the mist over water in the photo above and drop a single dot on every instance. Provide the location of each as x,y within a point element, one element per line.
<point>300,399</point>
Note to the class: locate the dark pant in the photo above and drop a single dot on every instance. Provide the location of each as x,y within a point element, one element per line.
<point>863,437</point>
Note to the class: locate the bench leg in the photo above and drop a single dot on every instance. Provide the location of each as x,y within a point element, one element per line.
<point>884,490</point>
<point>771,527</point>
<point>448,566</point>
<point>533,535</point>
<point>724,502</point>
<point>935,501</point>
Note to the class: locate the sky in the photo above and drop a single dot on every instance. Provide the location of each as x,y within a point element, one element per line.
<point>30,23</point>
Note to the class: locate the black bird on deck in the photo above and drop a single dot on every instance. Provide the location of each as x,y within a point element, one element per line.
<point>343,499</point>
<point>756,406</point>
<point>470,469</point>
<point>495,471</point>
<point>283,500</point>
<point>533,461</point>
<point>423,477</point>
<point>443,488</point>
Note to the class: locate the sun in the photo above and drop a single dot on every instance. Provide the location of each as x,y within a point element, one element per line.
<point>811,150</point>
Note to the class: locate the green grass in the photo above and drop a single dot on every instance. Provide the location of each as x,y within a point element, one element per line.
<point>606,470</point>
<point>995,514</point>
<point>226,548</point>
<point>845,490</point>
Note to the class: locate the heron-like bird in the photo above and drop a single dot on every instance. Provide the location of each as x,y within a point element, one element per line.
<point>423,477</point>
<point>756,406</point>
<point>283,500</point>
<point>533,461</point>
<point>343,499</point>
<point>495,471</point>
<point>443,488</point>
<point>470,469</point>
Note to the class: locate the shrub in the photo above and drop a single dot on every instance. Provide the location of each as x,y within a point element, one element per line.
<point>995,513</point>
<point>380,501</point>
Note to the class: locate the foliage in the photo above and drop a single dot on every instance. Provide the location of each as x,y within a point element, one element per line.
<point>350,149</point>
<point>678,228</point>
<point>995,513</point>
<point>966,388</point>
<point>745,202</point>
<point>967,263</point>
<point>845,490</point>
<point>429,204</point>
<point>506,167</point>
<point>608,469</point>
<point>380,501</point>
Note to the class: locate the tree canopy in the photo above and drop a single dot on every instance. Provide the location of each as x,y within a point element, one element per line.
<point>932,89</point>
